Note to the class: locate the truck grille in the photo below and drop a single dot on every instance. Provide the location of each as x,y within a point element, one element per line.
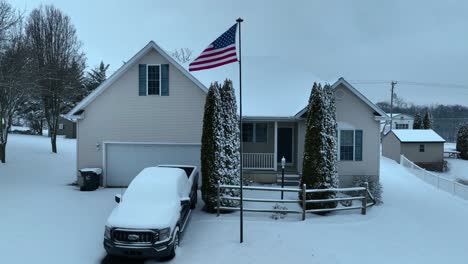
<point>130,236</point>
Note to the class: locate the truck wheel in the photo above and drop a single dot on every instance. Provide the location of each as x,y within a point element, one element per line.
<point>176,244</point>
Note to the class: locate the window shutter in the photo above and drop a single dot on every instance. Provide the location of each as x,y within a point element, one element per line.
<point>142,79</point>
<point>164,79</point>
<point>358,145</point>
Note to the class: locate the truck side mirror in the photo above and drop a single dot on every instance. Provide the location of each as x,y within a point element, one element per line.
<point>118,198</point>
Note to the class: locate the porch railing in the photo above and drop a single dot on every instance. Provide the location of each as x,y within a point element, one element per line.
<point>258,161</point>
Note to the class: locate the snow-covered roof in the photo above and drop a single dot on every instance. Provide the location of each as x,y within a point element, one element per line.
<point>417,135</point>
<point>401,116</point>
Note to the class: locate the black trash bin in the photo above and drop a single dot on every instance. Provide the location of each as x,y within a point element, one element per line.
<point>90,178</point>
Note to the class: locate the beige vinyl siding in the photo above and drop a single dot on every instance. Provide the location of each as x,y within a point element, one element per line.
<point>120,114</point>
<point>391,147</point>
<point>352,113</point>
<point>433,152</point>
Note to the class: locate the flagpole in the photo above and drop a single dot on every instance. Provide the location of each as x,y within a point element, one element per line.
<point>239,21</point>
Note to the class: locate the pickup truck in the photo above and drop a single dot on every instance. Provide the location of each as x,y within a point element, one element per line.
<point>153,213</point>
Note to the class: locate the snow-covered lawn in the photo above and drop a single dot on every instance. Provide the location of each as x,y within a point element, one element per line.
<point>457,169</point>
<point>46,221</point>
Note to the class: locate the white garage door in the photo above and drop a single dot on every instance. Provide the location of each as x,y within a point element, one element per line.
<point>125,160</point>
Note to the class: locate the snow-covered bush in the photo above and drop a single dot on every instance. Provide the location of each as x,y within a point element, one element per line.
<point>220,156</point>
<point>229,158</point>
<point>210,147</point>
<point>279,215</point>
<point>319,164</point>
<point>375,188</point>
<point>462,141</point>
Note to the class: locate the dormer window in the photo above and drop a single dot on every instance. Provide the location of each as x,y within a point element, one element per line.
<point>154,79</point>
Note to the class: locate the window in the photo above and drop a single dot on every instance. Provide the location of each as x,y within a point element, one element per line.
<point>421,148</point>
<point>347,145</point>
<point>350,145</point>
<point>261,131</point>
<point>255,132</point>
<point>401,126</point>
<point>60,126</point>
<point>154,79</point>
<point>247,132</point>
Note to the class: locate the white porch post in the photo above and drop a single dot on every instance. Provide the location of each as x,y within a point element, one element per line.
<point>275,156</point>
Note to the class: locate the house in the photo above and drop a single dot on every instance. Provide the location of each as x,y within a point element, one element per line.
<point>67,127</point>
<point>268,138</point>
<point>424,147</point>
<point>398,121</point>
<point>150,112</point>
<point>401,121</point>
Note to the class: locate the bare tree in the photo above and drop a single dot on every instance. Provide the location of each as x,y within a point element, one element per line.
<point>13,80</point>
<point>182,55</point>
<point>13,61</point>
<point>58,62</point>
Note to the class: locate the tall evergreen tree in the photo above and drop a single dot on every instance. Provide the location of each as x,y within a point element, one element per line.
<point>417,124</point>
<point>318,170</point>
<point>96,76</point>
<point>230,157</point>
<point>427,121</point>
<point>462,141</point>
<point>210,149</point>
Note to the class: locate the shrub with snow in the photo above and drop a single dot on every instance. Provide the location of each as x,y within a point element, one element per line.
<point>220,156</point>
<point>375,188</point>
<point>229,158</point>
<point>279,215</point>
<point>319,164</point>
<point>210,147</point>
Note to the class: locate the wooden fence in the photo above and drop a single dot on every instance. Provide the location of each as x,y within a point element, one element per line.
<point>364,195</point>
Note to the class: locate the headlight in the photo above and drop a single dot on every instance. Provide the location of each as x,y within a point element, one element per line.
<point>164,234</point>
<point>107,232</point>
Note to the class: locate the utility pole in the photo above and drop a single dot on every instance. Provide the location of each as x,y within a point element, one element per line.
<point>393,83</point>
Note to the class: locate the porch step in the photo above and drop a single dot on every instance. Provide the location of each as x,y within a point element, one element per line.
<point>289,179</point>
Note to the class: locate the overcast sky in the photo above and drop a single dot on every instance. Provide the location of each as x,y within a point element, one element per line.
<point>287,45</point>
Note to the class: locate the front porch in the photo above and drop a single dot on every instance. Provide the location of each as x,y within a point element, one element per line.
<point>264,144</point>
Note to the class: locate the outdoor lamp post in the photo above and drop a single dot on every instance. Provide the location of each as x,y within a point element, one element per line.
<point>283,163</point>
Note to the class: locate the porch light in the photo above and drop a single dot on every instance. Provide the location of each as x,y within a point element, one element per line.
<point>283,162</point>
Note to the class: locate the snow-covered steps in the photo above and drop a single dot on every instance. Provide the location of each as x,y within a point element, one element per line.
<point>289,179</point>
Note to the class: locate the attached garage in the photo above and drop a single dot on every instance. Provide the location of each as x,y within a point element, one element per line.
<point>124,160</point>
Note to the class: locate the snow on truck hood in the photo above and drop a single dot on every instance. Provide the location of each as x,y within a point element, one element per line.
<point>152,199</point>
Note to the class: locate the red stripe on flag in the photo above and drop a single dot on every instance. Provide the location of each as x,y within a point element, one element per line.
<point>215,59</point>
<point>213,65</point>
<point>215,53</point>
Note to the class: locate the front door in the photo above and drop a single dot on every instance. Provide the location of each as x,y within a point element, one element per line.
<point>285,144</point>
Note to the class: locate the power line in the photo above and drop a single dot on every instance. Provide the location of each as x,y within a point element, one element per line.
<point>411,83</point>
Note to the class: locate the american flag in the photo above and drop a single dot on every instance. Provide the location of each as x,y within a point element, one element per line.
<point>219,52</point>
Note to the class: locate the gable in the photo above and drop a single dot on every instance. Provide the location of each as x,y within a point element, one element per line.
<point>138,58</point>
<point>345,91</point>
